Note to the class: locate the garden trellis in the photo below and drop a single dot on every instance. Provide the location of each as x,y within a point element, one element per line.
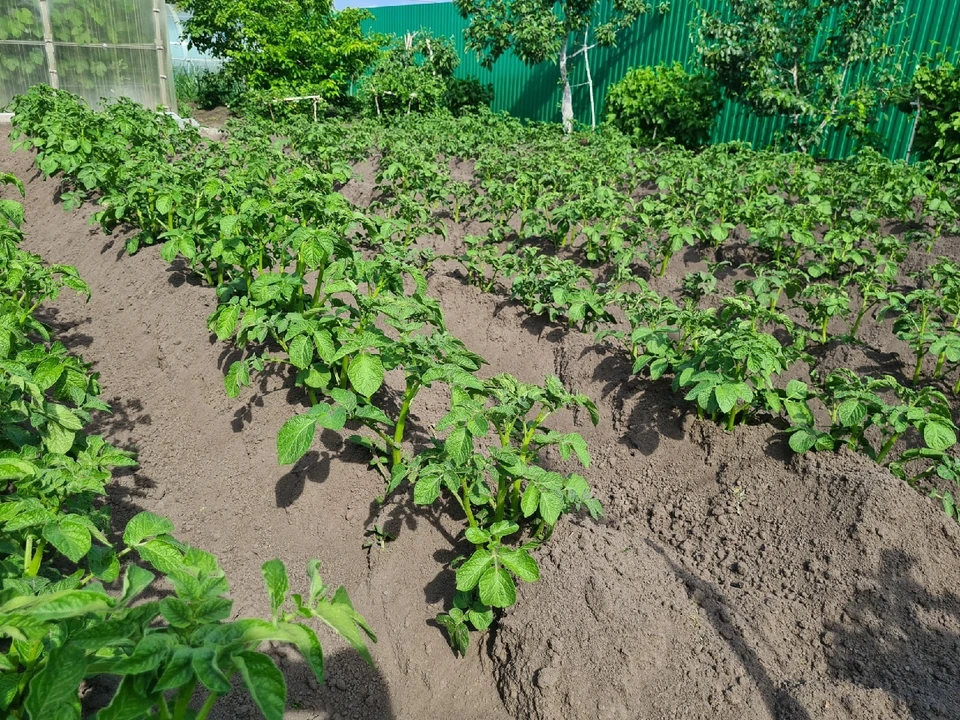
<point>94,48</point>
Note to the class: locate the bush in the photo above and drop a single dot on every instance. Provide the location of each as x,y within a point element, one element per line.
<point>284,47</point>
<point>936,87</point>
<point>467,95</point>
<point>411,75</point>
<point>665,102</point>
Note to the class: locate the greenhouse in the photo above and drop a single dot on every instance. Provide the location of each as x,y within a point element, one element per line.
<point>94,48</point>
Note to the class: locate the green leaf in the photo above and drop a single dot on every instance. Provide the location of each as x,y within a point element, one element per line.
<point>295,439</point>
<point>477,536</point>
<point>576,443</point>
<point>57,439</point>
<point>345,398</point>
<point>135,580</point>
<point>48,372</point>
<point>162,554</point>
<point>12,468</point>
<point>339,614</point>
<point>148,655</point>
<point>851,413</point>
<point>237,376</point>
<point>551,506</point>
<point>104,563</point>
<point>457,632</point>
<point>503,528</point>
<point>727,396</point>
<point>802,440</point>
<point>939,436</point>
<point>497,588</point>
<point>145,525</point>
<point>427,488</point>
<point>179,670</point>
<point>332,417</point>
<point>480,616</point>
<point>278,585</point>
<point>176,612</point>
<point>208,671</point>
<point>530,500</point>
<point>520,563</point>
<point>301,351</point>
<point>226,323</point>
<point>459,445</point>
<point>365,373</point>
<point>12,211</point>
<point>264,682</point>
<point>57,683</point>
<point>325,347</point>
<point>70,536</point>
<point>128,703</point>
<point>468,574</point>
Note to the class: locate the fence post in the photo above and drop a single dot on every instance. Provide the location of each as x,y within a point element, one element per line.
<point>48,44</point>
<point>161,62</point>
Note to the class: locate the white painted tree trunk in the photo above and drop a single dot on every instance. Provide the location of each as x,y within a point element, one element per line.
<point>566,102</point>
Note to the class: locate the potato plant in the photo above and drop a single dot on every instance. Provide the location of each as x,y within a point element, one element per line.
<point>271,234</point>
<point>73,605</point>
<point>871,415</point>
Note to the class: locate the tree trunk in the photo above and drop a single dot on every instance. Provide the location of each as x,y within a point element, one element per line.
<point>566,103</point>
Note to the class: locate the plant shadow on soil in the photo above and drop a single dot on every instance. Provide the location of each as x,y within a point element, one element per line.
<point>914,663</point>
<point>65,331</point>
<point>779,701</point>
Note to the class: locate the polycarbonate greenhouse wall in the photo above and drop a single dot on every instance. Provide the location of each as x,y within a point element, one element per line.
<point>94,48</point>
<point>533,93</point>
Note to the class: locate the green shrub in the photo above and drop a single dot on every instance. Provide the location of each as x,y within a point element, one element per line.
<point>286,48</point>
<point>466,95</point>
<point>936,87</point>
<point>411,75</point>
<point>664,102</point>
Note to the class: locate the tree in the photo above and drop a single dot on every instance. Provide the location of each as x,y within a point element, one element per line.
<point>823,64</point>
<point>541,30</point>
<point>294,47</point>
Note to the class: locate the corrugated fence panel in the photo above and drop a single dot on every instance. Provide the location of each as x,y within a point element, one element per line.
<point>534,93</point>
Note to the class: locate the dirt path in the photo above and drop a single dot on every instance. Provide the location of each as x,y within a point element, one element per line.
<point>727,580</point>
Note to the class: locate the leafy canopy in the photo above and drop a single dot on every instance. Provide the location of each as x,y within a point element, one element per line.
<point>820,63</point>
<point>286,46</point>
<point>935,89</point>
<point>537,29</point>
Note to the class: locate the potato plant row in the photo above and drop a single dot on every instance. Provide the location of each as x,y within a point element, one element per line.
<point>75,603</point>
<point>799,255</point>
<point>298,288</point>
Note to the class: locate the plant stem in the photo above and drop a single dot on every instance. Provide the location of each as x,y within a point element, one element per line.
<point>408,397</point>
<point>885,448</point>
<point>207,706</point>
<point>856,323</point>
<point>467,509</point>
<point>183,700</point>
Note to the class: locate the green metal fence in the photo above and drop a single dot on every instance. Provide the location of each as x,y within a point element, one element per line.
<point>533,93</point>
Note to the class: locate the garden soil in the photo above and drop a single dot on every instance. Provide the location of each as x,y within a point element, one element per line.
<point>727,579</point>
